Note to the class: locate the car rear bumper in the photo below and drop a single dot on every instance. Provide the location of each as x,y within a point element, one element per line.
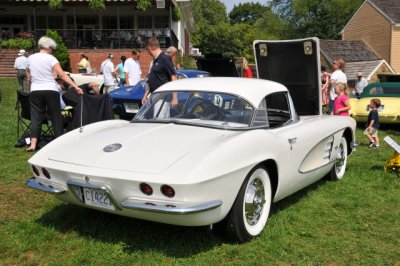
<point>183,208</point>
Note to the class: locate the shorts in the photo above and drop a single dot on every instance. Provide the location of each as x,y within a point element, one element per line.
<point>373,132</point>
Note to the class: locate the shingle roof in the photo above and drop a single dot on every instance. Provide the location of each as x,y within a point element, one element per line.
<point>366,67</point>
<point>390,8</point>
<point>349,51</point>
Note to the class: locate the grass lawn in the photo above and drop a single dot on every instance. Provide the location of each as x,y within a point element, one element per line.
<point>355,221</point>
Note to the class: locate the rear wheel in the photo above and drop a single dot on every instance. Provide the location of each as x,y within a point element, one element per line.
<point>339,168</point>
<point>250,211</point>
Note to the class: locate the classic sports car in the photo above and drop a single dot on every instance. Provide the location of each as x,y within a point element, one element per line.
<point>220,155</point>
<point>388,93</point>
<point>127,100</point>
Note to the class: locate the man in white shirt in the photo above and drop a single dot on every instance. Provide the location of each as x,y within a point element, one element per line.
<point>361,83</point>
<point>107,68</point>
<point>132,69</point>
<point>337,76</point>
<point>21,62</point>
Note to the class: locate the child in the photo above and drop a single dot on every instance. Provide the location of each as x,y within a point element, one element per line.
<point>341,105</point>
<point>371,132</point>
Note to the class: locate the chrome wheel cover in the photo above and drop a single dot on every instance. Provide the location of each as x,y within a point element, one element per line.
<point>254,201</point>
<point>340,159</point>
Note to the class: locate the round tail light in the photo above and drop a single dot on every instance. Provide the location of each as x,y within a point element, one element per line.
<point>46,173</point>
<point>146,189</point>
<point>35,170</point>
<point>167,191</point>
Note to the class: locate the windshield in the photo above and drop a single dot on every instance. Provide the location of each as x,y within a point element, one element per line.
<point>201,108</point>
<point>382,90</point>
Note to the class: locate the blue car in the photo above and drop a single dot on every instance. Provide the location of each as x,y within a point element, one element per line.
<point>127,100</point>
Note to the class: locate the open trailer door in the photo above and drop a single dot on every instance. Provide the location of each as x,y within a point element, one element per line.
<point>295,64</point>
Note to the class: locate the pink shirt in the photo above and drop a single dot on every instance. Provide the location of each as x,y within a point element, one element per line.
<point>339,103</point>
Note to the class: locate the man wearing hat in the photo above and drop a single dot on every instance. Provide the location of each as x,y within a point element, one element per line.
<point>20,64</point>
<point>361,83</point>
<point>107,68</point>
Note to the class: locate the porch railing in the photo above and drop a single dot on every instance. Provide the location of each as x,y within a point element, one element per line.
<point>110,39</point>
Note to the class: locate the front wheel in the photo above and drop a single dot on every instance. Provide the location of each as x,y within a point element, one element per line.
<point>250,211</point>
<point>339,168</point>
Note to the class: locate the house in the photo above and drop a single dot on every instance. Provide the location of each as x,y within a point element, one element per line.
<point>117,29</point>
<point>377,23</point>
<point>359,57</point>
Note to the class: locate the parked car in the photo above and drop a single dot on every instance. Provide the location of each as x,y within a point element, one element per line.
<point>86,78</point>
<point>388,93</point>
<point>222,155</point>
<point>127,100</point>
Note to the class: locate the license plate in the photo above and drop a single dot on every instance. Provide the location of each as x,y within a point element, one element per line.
<point>131,107</point>
<point>97,198</point>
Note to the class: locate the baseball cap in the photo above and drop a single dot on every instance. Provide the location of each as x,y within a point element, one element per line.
<point>359,74</point>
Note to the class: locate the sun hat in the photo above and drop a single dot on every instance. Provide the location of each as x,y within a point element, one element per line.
<point>21,52</point>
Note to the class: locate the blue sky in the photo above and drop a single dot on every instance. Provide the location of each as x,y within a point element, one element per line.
<point>230,3</point>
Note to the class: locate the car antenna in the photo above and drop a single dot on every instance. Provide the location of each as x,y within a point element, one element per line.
<point>81,128</point>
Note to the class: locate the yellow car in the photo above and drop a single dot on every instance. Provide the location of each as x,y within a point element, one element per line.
<point>388,93</point>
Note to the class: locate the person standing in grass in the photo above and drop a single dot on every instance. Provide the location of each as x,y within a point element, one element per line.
<point>44,89</point>
<point>371,132</point>
<point>341,105</point>
<point>21,62</point>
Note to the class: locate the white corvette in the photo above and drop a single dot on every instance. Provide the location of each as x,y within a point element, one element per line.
<point>222,155</point>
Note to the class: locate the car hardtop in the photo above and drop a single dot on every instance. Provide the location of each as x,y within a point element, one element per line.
<point>382,89</point>
<point>296,65</point>
<point>252,90</point>
<point>217,65</point>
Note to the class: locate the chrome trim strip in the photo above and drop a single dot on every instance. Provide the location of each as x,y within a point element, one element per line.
<point>50,188</point>
<point>104,188</point>
<point>317,168</point>
<point>178,210</point>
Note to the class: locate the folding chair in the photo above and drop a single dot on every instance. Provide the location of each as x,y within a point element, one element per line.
<point>24,120</point>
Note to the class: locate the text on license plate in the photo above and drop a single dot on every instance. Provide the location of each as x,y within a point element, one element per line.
<point>131,107</point>
<point>97,198</point>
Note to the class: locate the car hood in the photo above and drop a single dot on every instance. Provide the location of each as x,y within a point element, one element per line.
<point>145,148</point>
<point>129,92</point>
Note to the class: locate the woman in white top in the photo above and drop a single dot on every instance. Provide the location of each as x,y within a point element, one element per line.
<point>44,89</point>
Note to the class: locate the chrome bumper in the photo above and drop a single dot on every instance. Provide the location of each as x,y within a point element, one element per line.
<point>171,208</point>
<point>50,188</point>
<point>132,204</point>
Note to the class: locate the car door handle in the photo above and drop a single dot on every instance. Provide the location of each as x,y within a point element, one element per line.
<point>291,142</point>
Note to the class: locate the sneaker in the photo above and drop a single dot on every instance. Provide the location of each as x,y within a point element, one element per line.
<point>372,144</point>
<point>376,145</point>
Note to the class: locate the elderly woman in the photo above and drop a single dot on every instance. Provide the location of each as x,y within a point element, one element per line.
<point>44,89</point>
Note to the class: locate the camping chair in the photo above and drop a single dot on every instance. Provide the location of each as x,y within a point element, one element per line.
<point>24,120</point>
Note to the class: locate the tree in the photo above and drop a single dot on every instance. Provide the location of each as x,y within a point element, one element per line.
<point>271,27</point>
<point>321,18</point>
<point>211,26</point>
<point>61,52</point>
<point>247,13</point>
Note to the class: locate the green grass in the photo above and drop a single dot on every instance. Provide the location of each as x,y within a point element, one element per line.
<point>355,221</point>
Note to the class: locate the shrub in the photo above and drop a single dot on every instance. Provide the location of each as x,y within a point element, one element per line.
<point>18,43</point>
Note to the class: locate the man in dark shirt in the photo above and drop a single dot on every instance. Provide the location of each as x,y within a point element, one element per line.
<point>162,70</point>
